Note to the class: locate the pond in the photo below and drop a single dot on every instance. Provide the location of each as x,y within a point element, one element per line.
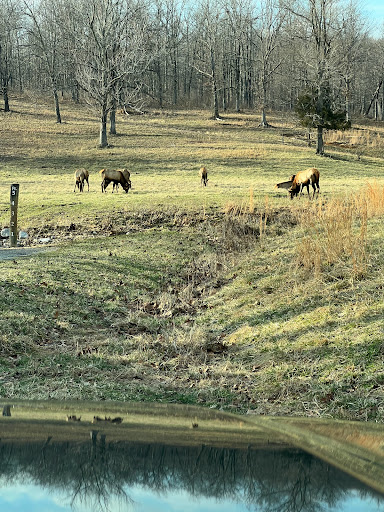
<point>161,458</point>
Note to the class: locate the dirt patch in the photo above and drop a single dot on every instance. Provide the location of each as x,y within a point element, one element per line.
<point>121,222</point>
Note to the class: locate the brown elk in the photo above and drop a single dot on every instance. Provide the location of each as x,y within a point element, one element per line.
<point>116,177</point>
<point>303,179</point>
<point>81,175</point>
<point>127,176</point>
<point>203,176</point>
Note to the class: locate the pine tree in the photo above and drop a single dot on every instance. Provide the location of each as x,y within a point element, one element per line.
<point>317,110</point>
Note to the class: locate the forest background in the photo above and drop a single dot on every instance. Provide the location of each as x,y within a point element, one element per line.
<point>239,54</point>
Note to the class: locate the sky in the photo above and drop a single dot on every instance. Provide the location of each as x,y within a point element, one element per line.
<point>21,497</point>
<point>374,11</point>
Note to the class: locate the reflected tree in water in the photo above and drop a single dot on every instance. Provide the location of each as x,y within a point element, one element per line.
<point>97,473</point>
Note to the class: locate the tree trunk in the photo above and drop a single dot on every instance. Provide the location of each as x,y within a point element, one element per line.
<point>248,93</point>
<point>112,120</point>
<point>248,77</point>
<point>175,79</point>
<point>374,97</point>
<point>382,106</point>
<point>376,109</point>
<point>237,81</point>
<point>103,131</point>
<point>320,141</point>
<point>19,68</point>
<point>75,93</point>
<point>264,122</point>
<point>159,83</point>
<point>6,99</point>
<point>347,97</point>
<point>57,106</point>
<point>216,114</point>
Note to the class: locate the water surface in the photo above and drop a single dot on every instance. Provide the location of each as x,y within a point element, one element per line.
<point>78,457</point>
<point>124,476</point>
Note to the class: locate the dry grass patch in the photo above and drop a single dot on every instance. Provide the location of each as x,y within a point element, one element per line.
<point>357,136</point>
<point>335,235</point>
<point>371,199</point>
<point>335,232</point>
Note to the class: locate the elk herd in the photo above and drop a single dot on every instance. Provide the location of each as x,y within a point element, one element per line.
<point>118,177</point>
<point>294,184</point>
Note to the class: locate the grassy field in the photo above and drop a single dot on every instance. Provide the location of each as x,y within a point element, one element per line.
<point>230,296</point>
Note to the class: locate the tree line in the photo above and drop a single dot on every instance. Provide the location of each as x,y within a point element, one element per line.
<point>315,57</point>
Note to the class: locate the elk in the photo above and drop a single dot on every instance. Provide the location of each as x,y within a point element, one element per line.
<point>305,178</point>
<point>203,176</point>
<point>127,176</point>
<point>116,177</point>
<point>81,175</point>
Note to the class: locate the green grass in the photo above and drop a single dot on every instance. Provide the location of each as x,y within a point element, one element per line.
<point>177,293</point>
<point>163,153</point>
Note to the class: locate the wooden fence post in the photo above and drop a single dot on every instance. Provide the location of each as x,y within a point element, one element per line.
<point>13,224</point>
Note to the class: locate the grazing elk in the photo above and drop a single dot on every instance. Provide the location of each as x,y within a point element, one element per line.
<point>81,175</point>
<point>116,177</point>
<point>127,176</point>
<point>303,179</point>
<point>203,176</point>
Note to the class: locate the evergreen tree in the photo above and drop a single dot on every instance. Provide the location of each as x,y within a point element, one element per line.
<point>316,109</point>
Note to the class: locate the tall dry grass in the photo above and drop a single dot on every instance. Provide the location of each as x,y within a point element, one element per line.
<point>355,137</point>
<point>335,232</point>
<point>371,197</point>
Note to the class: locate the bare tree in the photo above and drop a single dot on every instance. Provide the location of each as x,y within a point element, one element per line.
<point>44,36</point>
<point>270,22</point>
<point>10,23</point>
<point>109,52</point>
<point>240,48</point>
<point>223,52</point>
<point>209,17</point>
<point>174,35</point>
<point>349,50</point>
<point>319,29</point>
<point>167,31</point>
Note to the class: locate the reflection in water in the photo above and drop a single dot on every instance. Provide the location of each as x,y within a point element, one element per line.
<point>102,476</point>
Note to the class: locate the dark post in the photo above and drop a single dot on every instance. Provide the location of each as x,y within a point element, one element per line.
<point>14,204</point>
